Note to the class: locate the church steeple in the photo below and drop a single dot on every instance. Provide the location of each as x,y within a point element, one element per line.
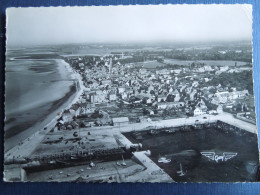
<point>110,66</point>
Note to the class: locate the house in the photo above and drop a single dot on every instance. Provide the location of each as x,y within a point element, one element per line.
<point>97,98</point>
<point>192,95</point>
<point>151,112</point>
<point>106,82</point>
<point>198,111</point>
<point>121,89</point>
<point>223,68</point>
<point>120,121</point>
<point>183,88</point>
<point>188,90</point>
<point>67,116</point>
<point>213,112</point>
<point>177,71</point>
<point>208,68</point>
<point>129,91</point>
<point>75,109</point>
<point>81,65</point>
<point>164,105</point>
<point>112,96</point>
<point>144,119</point>
<point>177,95</point>
<point>225,96</point>
<point>219,109</point>
<point>150,100</point>
<point>176,104</point>
<point>195,84</point>
<point>143,71</point>
<point>74,125</point>
<point>124,95</point>
<point>162,98</point>
<point>201,104</point>
<point>150,88</point>
<point>87,108</point>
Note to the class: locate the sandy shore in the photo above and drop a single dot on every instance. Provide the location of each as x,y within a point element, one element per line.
<point>58,106</point>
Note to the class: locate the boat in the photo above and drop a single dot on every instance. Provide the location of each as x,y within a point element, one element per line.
<point>181,173</point>
<point>164,160</point>
<point>153,132</point>
<point>52,162</point>
<point>74,157</point>
<point>91,164</point>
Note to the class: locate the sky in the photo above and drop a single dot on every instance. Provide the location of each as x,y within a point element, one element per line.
<point>126,24</point>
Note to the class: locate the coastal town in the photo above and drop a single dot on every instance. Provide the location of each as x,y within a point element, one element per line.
<point>119,93</point>
<point>123,97</point>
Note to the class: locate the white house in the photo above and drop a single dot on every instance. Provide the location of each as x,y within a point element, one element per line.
<point>112,96</point>
<point>219,109</point>
<point>177,95</point>
<point>198,111</point>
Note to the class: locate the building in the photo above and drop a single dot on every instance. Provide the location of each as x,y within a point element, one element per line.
<point>120,121</point>
<point>225,96</point>
<point>150,88</point>
<point>144,119</point>
<point>97,98</point>
<point>87,108</point>
<point>124,95</point>
<point>75,109</point>
<point>177,95</point>
<point>219,109</point>
<point>112,96</point>
<point>162,98</point>
<point>164,105</point>
<point>67,116</point>
<point>106,82</point>
<point>121,89</point>
<point>198,111</point>
<point>192,95</point>
<point>150,100</point>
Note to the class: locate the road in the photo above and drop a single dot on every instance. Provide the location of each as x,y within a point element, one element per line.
<point>28,146</point>
<point>206,118</point>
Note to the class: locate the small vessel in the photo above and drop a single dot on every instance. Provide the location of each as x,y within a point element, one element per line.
<point>74,157</point>
<point>118,164</point>
<point>153,132</point>
<point>164,160</point>
<point>181,173</point>
<point>91,164</point>
<point>123,163</point>
<point>52,162</point>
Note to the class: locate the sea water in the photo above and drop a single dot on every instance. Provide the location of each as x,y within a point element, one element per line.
<point>36,80</point>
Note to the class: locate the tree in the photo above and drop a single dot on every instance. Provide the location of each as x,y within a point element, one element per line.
<point>145,111</point>
<point>144,101</point>
<point>212,90</point>
<point>95,114</point>
<point>132,99</point>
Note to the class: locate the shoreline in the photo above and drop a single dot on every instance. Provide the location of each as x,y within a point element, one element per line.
<point>55,105</point>
<point>47,119</point>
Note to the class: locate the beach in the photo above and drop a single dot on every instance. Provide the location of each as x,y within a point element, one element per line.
<point>35,104</point>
